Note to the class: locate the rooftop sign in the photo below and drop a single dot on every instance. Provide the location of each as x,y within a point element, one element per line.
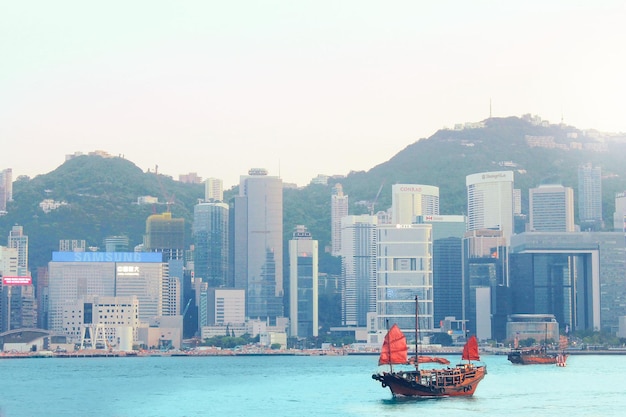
<point>107,257</point>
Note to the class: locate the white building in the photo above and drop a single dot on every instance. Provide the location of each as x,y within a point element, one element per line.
<point>490,201</point>
<point>77,275</point>
<point>410,200</point>
<point>102,322</point>
<point>213,190</point>
<point>619,217</point>
<point>338,210</point>
<point>226,306</point>
<point>551,209</point>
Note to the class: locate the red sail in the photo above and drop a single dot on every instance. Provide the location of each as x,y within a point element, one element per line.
<point>394,350</point>
<point>470,350</point>
<point>429,359</point>
<point>433,359</point>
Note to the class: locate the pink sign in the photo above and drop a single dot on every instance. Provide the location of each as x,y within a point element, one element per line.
<point>17,280</point>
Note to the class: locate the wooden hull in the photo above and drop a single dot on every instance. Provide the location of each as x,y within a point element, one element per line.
<point>522,358</point>
<point>451,382</point>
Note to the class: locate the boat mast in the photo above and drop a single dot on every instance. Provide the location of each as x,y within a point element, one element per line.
<point>416,332</point>
<point>389,348</point>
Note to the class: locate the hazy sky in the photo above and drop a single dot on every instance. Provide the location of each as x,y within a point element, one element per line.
<point>298,87</point>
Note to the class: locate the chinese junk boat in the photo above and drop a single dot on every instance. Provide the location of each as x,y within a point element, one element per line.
<point>460,380</point>
<point>539,355</point>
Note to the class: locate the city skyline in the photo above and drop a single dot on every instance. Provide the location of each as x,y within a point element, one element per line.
<point>218,89</point>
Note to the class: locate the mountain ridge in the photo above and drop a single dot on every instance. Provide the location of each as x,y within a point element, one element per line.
<point>101,193</point>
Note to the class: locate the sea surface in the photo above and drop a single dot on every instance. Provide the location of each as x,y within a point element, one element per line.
<point>260,386</point>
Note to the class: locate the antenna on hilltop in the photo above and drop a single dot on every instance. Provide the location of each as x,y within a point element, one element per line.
<point>490,107</point>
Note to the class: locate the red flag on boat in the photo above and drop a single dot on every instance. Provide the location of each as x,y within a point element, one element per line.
<point>394,350</point>
<point>470,350</point>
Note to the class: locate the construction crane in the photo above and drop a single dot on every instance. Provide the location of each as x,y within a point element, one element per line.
<point>376,199</point>
<point>186,308</point>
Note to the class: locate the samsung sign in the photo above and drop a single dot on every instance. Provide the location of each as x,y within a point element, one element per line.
<point>107,257</point>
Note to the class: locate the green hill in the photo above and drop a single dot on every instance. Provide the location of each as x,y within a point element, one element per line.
<point>101,193</point>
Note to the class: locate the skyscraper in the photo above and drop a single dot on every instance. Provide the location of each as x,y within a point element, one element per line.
<point>410,200</point>
<point>338,210</point>
<point>6,188</point>
<point>165,235</point>
<point>19,296</point>
<point>358,269</point>
<point>490,201</point>
<point>210,237</point>
<point>303,280</point>
<point>258,243</point>
<point>447,235</point>
<point>619,217</point>
<point>18,240</point>
<point>590,197</point>
<point>404,259</point>
<point>213,190</point>
<point>485,279</point>
<point>551,208</point>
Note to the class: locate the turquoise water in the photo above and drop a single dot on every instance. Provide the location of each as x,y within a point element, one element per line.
<point>294,386</point>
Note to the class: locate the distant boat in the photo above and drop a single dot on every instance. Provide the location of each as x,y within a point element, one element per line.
<point>539,355</point>
<point>536,355</point>
<point>443,381</point>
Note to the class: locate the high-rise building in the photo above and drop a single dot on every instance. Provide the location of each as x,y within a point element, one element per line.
<point>560,273</point>
<point>619,217</point>
<point>258,244</point>
<point>590,197</point>
<point>358,269</point>
<point>6,188</point>
<point>19,306</point>
<point>490,201</point>
<point>18,240</point>
<point>404,259</point>
<point>303,284</point>
<point>8,261</point>
<point>485,279</point>
<point>410,200</point>
<point>75,275</point>
<point>213,190</point>
<point>447,235</point>
<point>551,208</point>
<point>338,210</point>
<point>41,291</point>
<point>165,235</point>
<point>210,237</point>
<point>517,202</point>
<point>8,268</point>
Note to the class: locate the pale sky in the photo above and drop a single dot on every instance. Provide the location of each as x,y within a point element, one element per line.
<point>300,88</point>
